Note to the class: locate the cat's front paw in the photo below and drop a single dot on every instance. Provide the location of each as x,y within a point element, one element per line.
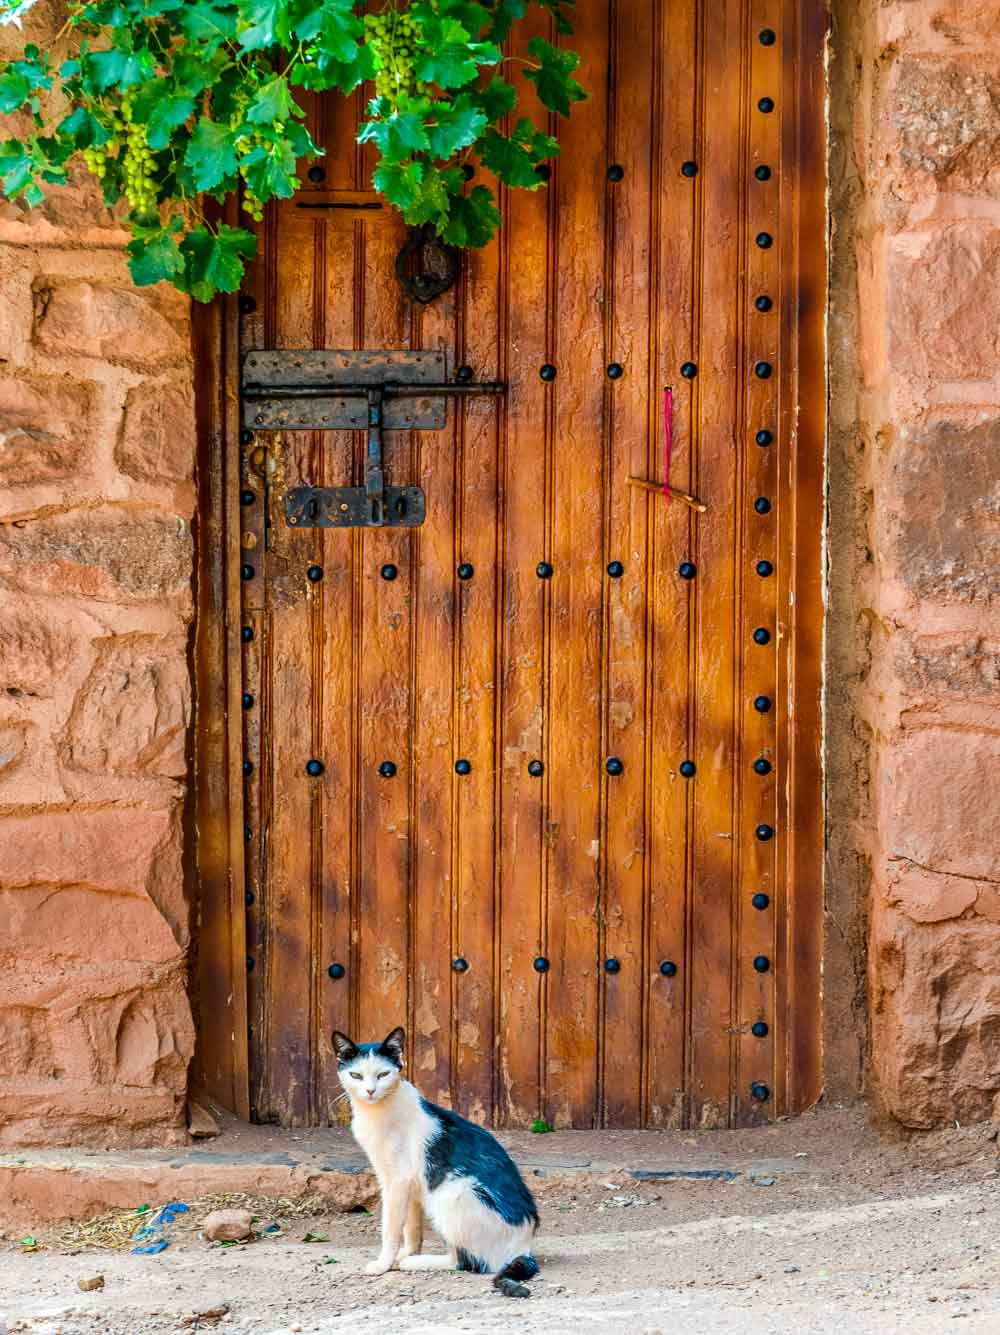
<point>378,1267</point>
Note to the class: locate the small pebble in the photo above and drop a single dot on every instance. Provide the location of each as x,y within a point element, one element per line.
<point>510,1288</point>
<point>88,1283</point>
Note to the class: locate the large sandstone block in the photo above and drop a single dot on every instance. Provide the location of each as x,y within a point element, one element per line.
<point>144,327</point>
<point>939,511</point>
<point>38,648</point>
<point>946,114</point>
<point>157,440</point>
<point>936,1018</point>
<point>936,793</point>
<point>133,711</point>
<point>964,666</point>
<point>114,553</point>
<point>46,428</point>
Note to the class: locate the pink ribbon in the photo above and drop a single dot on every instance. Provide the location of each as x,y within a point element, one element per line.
<point>668,437</point>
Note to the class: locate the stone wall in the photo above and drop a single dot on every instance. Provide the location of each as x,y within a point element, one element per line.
<point>915,547</point>
<point>96,503</point>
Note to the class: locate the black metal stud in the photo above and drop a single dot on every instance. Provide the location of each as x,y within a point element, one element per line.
<point>463,767</point>
<point>548,372</point>
<point>314,574</point>
<point>616,569</point>
<point>246,435</point>
<point>468,171</point>
<point>668,968</point>
<point>764,240</point>
<point>247,768</point>
<point>247,700</point>
<point>761,963</point>
<point>763,437</point>
<point>536,769</point>
<point>247,834</point>
<point>614,766</point>
<point>246,305</point>
<point>762,370</point>
<point>388,571</point>
<point>759,1029</point>
<point>761,765</point>
<point>760,900</point>
<point>762,704</point>
<point>466,570</point>
<point>687,570</point>
<point>688,769</point>
<point>314,768</point>
<point>464,374</point>
<point>689,370</point>
<point>246,634</point>
<point>250,963</point>
<point>459,965</point>
<point>764,833</point>
<point>761,635</point>
<point>616,172</point>
<point>766,37</point>
<point>762,505</point>
<point>543,570</point>
<point>316,174</point>
<point>763,303</point>
<point>336,971</point>
<point>387,769</point>
<point>764,569</point>
<point>615,371</point>
<point>249,898</point>
<point>760,1091</point>
<point>612,965</point>
<point>247,497</point>
<point>543,171</point>
<point>540,964</point>
<point>246,571</point>
<point>763,172</point>
<point>766,105</point>
<point>689,169</point>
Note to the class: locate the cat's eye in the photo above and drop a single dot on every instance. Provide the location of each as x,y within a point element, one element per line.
<point>355,1075</point>
<point>382,1075</point>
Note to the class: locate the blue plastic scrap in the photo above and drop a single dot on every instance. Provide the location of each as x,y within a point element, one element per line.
<point>152,1235</point>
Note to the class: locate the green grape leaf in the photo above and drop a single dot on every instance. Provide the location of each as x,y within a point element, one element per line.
<point>273,102</point>
<point>515,158</point>
<point>193,73</point>
<point>495,100</point>
<point>211,154</point>
<point>16,168</point>
<point>269,170</point>
<point>262,23</point>
<point>555,8</point>
<point>432,198</point>
<point>14,91</point>
<point>166,115</point>
<point>399,182</point>
<point>457,126</point>
<point>504,15</point>
<point>117,69</point>
<point>319,71</point>
<point>215,262</point>
<point>398,137</point>
<point>553,80</point>
<point>155,253</point>
<point>333,23</point>
<point>473,219</point>
<point>447,57</point>
<point>209,23</point>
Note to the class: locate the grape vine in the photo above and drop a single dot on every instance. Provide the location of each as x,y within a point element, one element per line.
<point>167,102</point>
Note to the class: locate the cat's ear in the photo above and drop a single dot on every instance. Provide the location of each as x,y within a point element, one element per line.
<point>392,1045</point>
<point>346,1050</point>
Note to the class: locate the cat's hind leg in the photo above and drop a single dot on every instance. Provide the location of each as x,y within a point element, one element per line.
<point>413,1230</point>
<point>429,1261</point>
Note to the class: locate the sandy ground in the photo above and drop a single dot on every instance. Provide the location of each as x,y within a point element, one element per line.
<point>830,1228</point>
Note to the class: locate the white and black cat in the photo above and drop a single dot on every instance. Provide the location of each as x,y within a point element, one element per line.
<point>429,1161</point>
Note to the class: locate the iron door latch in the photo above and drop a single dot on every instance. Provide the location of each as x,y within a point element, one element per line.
<point>352,391</point>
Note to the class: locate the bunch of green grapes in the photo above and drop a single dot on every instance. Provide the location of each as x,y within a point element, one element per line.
<point>137,164</point>
<point>393,35</point>
<point>251,203</point>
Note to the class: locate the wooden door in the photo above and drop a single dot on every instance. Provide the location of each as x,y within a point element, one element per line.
<point>568,824</point>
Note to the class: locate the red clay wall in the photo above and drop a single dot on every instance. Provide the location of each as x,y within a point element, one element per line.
<point>915,547</point>
<point>96,503</point>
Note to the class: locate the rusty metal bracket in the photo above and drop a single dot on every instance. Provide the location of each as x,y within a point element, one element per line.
<point>350,391</point>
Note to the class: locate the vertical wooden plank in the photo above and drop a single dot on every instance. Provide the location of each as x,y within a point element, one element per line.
<point>715,394</point>
<point>628,318</point>
<point>384,654</point>
<point>674,204</point>
<point>476,698</point>
<point>574,626</point>
<point>524,349</point>
<point>434,940</point>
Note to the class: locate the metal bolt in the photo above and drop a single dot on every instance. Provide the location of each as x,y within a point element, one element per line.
<point>766,105</point>
<point>616,569</point>
<point>762,505</point>
<point>314,768</point>
<point>689,169</point>
<point>760,1091</point>
<point>543,570</point>
<point>459,965</point>
<point>760,900</point>
<point>615,371</point>
<point>388,571</point>
<point>687,570</point>
<point>314,574</point>
<point>466,570</point>
<point>540,964</point>
<point>463,767</point>
<point>548,372</point>
<point>765,240</point>
<point>613,765</point>
<point>761,766</point>
<point>612,965</point>
<point>762,704</point>
<point>464,374</point>
<point>249,898</point>
<point>764,833</point>
<point>688,769</point>
<point>615,172</point>
<point>246,634</point>
<point>763,438</point>
<point>689,370</point>
<point>766,37</point>
<point>536,769</point>
<point>316,174</point>
<point>246,436</point>
<point>763,172</point>
<point>247,768</point>
<point>668,968</point>
<point>759,1029</point>
<point>247,497</point>
<point>247,700</point>
<point>763,303</point>
<point>764,569</point>
<point>761,635</point>
<point>762,370</point>
<point>336,971</point>
<point>761,963</point>
<point>246,305</point>
<point>246,572</point>
<point>387,769</point>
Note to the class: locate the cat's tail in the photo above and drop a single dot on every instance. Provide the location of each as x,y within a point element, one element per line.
<point>521,1268</point>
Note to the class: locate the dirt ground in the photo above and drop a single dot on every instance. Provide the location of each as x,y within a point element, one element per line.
<point>826,1227</point>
